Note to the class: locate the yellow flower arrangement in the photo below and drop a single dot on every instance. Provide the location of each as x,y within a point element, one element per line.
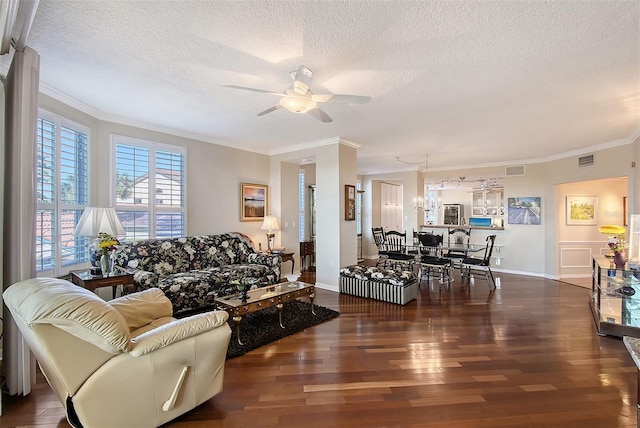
<point>107,243</point>
<point>616,237</point>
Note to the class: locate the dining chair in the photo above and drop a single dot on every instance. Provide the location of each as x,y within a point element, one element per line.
<point>395,246</point>
<point>379,239</point>
<point>430,244</point>
<point>430,261</point>
<point>414,247</point>
<point>458,243</point>
<point>484,264</point>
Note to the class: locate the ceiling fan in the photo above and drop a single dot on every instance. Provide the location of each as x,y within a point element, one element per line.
<point>299,98</point>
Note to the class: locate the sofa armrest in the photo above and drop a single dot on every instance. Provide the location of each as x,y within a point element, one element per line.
<point>271,260</point>
<point>177,330</point>
<point>142,279</point>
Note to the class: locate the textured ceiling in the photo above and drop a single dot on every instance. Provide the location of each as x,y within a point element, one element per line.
<point>471,83</point>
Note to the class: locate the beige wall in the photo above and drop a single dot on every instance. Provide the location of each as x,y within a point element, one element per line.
<point>529,249</point>
<point>577,244</point>
<point>309,179</point>
<point>215,173</point>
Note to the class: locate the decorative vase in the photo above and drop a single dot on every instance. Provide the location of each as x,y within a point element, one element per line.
<point>106,264</point>
<point>243,289</point>
<point>94,256</point>
<point>618,259</point>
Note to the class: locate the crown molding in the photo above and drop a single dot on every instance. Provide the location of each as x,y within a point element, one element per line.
<point>309,145</point>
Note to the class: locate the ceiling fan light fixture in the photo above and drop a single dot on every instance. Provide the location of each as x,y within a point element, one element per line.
<point>297,103</point>
<point>298,98</point>
<point>302,80</point>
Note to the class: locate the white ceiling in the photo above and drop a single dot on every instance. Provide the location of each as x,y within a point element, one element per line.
<point>471,83</point>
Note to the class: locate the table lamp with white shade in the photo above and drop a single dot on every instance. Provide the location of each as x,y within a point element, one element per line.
<point>270,224</point>
<point>96,220</point>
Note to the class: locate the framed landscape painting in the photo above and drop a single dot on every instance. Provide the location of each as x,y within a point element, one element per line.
<point>582,210</point>
<point>254,200</point>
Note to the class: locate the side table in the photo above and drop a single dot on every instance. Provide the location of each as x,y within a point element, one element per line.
<point>86,280</point>
<point>288,257</point>
<point>307,249</point>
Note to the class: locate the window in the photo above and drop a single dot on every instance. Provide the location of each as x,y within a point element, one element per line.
<point>61,192</point>
<point>431,216</point>
<point>140,167</point>
<point>358,207</point>
<point>301,199</point>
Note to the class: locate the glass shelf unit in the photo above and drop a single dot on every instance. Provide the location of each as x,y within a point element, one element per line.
<point>615,299</point>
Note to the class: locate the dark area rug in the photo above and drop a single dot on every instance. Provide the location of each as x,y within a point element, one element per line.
<point>259,328</point>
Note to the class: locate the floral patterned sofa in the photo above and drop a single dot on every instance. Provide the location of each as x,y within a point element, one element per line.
<point>193,270</point>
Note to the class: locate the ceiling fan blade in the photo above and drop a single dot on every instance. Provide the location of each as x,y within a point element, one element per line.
<point>320,115</point>
<point>302,81</point>
<point>244,88</point>
<point>269,110</point>
<point>338,98</point>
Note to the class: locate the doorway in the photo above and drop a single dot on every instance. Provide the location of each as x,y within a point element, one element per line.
<point>579,240</point>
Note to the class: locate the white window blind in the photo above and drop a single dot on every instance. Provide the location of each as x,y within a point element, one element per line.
<point>301,200</point>
<point>61,192</point>
<point>150,188</point>
<point>358,208</point>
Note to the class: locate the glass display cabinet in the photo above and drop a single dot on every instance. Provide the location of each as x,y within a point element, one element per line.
<point>488,202</point>
<point>453,214</point>
<point>615,299</point>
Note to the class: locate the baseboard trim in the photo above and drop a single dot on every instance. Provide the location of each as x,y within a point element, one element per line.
<point>327,287</point>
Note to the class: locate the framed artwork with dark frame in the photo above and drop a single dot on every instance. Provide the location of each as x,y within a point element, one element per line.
<point>582,210</point>
<point>624,210</point>
<point>254,201</point>
<point>349,202</point>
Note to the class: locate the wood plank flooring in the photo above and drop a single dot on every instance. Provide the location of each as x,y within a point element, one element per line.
<point>526,355</point>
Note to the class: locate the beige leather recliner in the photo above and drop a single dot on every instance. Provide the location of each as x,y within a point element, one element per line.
<point>122,363</point>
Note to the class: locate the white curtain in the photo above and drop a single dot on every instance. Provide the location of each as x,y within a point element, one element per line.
<point>21,113</point>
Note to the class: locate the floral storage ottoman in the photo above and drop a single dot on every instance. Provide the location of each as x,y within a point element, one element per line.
<point>387,285</point>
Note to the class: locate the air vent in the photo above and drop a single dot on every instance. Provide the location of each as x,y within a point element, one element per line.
<point>585,161</point>
<point>512,171</point>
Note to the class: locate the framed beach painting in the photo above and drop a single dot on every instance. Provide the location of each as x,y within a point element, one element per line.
<point>582,210</point>
<point>254,200</point>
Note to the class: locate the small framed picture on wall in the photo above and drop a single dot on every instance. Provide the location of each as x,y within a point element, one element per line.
<point>349,202</point>
<point>582,210</point>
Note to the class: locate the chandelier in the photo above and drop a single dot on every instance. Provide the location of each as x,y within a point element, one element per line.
<point>421,203</point>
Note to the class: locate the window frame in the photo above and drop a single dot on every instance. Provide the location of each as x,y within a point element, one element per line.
<point>153,147</point>
<point>58,206</point>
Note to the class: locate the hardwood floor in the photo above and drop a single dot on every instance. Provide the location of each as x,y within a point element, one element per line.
<point>525,356</point>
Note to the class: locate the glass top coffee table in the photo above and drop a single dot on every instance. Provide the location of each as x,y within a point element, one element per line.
<point>263,298</point>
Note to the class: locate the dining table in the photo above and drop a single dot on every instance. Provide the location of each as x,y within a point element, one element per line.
<point>419,250</point>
